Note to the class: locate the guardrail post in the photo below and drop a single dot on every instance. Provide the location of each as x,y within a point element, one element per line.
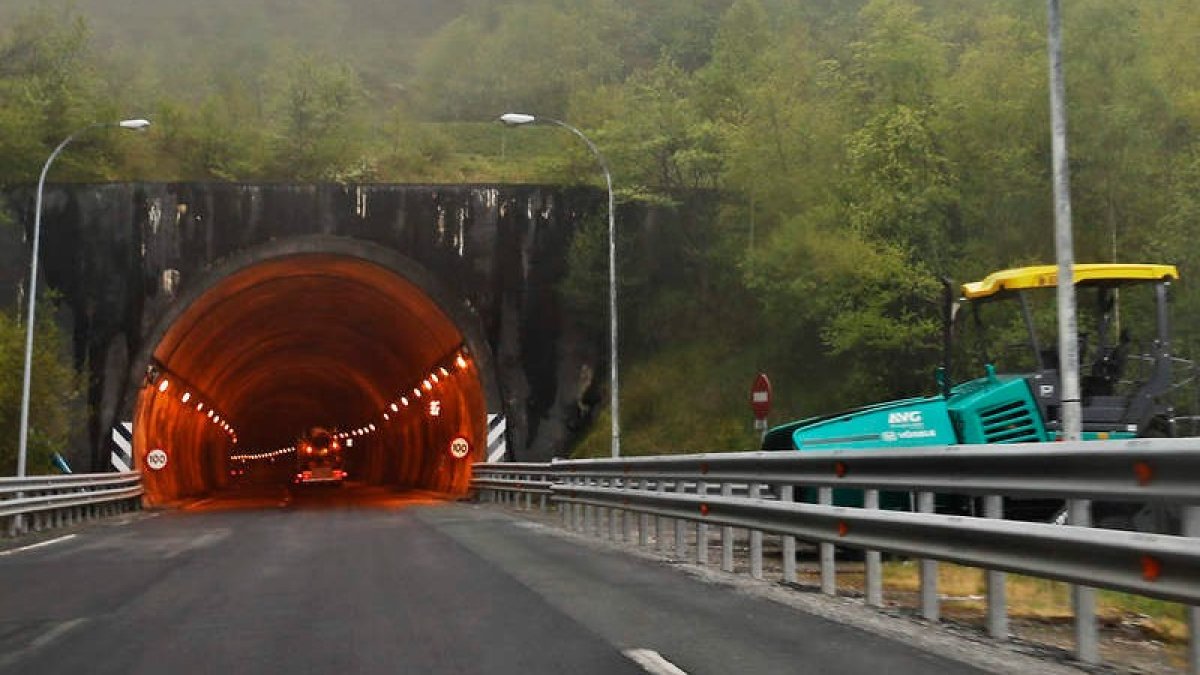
<point>873,561</point>
<point>1191,528</point>
<point>930,609</point>
<point>680,525</point>
<point>544,478</point>
<point>564,509</point>
<point>787,494</point>
<point>662,523</point>
<point>726,535</point>
<point>643,520</point>
<point>1087,648</point>
<point>601,513</point>
<point>997,603</point>
<point>614,514</point>
<point>756,537</point>
<point>828,560</point>
<point>591,524</point>
<point>577,518</point>
<point>701,529</point>
<point>626,517</point>
<point>528,495</point>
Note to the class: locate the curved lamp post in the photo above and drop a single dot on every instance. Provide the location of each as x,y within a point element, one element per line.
<point>518,119</point>
<point>133,124</point>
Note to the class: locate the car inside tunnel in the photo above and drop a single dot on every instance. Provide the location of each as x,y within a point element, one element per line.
<point>245,372</point>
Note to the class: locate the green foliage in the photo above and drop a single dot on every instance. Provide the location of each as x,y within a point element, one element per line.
<point>827,161</point>
<point>55,389</point>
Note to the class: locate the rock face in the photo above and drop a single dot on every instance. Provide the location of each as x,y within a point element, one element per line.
<point>128,259</point>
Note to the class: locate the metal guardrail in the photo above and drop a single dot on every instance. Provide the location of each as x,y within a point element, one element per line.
<point>34,503</point>
<point>683,495</point>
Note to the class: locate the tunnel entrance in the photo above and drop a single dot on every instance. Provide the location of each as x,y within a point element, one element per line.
<point>282,345</point>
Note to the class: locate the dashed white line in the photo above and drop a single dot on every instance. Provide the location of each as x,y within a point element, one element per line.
<point>55,632</point>
<point>40,544</point>
<point>652,662</point>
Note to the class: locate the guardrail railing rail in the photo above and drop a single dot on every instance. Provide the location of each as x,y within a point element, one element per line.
<point>679,498</point>
<point>35,503</point>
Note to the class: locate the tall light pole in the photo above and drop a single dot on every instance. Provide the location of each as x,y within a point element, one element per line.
<point>134,124</point>
<point>518,119</point>
<point>1079,511</point>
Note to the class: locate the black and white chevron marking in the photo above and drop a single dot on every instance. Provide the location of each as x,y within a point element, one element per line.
<point>122,447</point>
<point>497,448</point>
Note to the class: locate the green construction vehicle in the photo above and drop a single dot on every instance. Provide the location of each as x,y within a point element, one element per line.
<point>1124,395</point>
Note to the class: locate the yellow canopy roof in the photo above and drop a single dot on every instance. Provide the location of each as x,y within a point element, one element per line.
<point>1046,276</point>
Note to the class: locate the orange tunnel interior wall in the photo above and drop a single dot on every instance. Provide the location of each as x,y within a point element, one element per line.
<point>310,340</point>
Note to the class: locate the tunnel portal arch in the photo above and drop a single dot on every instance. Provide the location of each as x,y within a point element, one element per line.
<point>319,330</point>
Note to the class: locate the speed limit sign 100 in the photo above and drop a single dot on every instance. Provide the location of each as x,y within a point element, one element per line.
<point>460,447</point>
<point>156,459</point>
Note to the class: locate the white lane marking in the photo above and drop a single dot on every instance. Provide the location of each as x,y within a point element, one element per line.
<point>40,641</point>
<point>40,544</point>
<point>653,662</point>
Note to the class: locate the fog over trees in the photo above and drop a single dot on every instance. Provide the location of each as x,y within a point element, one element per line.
<point>830,160</point>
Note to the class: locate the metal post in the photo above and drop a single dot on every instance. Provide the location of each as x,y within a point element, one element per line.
<point>662,524</point>
<point>929,568</point>
<point>1191,528</point>
<point>756,538</point>
<point>626,519</point>
<point>827,557</point>
<point>726,535</point>
<point>787,495</point>
<point>873,572</point>
<point>997,602</point>
<point>701,529</point>
<point>643,521</point>
<point>1087,648</point>
<point>1064,245</point>
<point>680,526</point>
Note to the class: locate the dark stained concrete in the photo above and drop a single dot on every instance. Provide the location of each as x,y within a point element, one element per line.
<point>297,305</point>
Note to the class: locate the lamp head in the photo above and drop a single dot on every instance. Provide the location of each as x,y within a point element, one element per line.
<point>517,119</point>
<point>137,125</point>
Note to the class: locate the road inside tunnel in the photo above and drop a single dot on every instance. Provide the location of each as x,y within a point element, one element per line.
<point>301,341</point>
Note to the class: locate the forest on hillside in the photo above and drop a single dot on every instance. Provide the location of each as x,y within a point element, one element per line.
<point>852,152</point>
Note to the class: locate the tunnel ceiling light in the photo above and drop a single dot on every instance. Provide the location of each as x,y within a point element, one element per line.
<point>444,372</point>
<point>427,385</point>
<point>395,408</point>
<point>404,400</point>
<point>386,417</point>
<point>210,412</point>
<point>461,362</point>
<point>162,386</point>
<point>417,392</point>
<point>371,427</point>
<point>187,396</point>
<point>199,406</point>
<point>434,377</point>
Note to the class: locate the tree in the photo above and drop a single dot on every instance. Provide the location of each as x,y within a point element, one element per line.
<point>56,388</point>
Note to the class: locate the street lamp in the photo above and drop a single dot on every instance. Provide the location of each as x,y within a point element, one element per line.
<point>518,119</point>
<point>132,124</point>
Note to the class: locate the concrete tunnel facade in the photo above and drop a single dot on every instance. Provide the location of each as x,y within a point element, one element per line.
<point>287,306</point>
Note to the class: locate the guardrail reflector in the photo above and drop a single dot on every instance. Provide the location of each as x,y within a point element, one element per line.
<point>839,468</point>
<point>1151,568</point>
<point>843,529</point>
<point>1144,472</point>
<point>704,509</point>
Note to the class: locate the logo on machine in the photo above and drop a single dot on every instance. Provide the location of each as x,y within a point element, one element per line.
<point>905,419</point>
<point>911,424</point>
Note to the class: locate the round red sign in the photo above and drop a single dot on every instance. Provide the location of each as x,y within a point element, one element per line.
<point>760,397</point>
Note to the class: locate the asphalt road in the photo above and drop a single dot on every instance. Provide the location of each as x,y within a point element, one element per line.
<point>368,581</point>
